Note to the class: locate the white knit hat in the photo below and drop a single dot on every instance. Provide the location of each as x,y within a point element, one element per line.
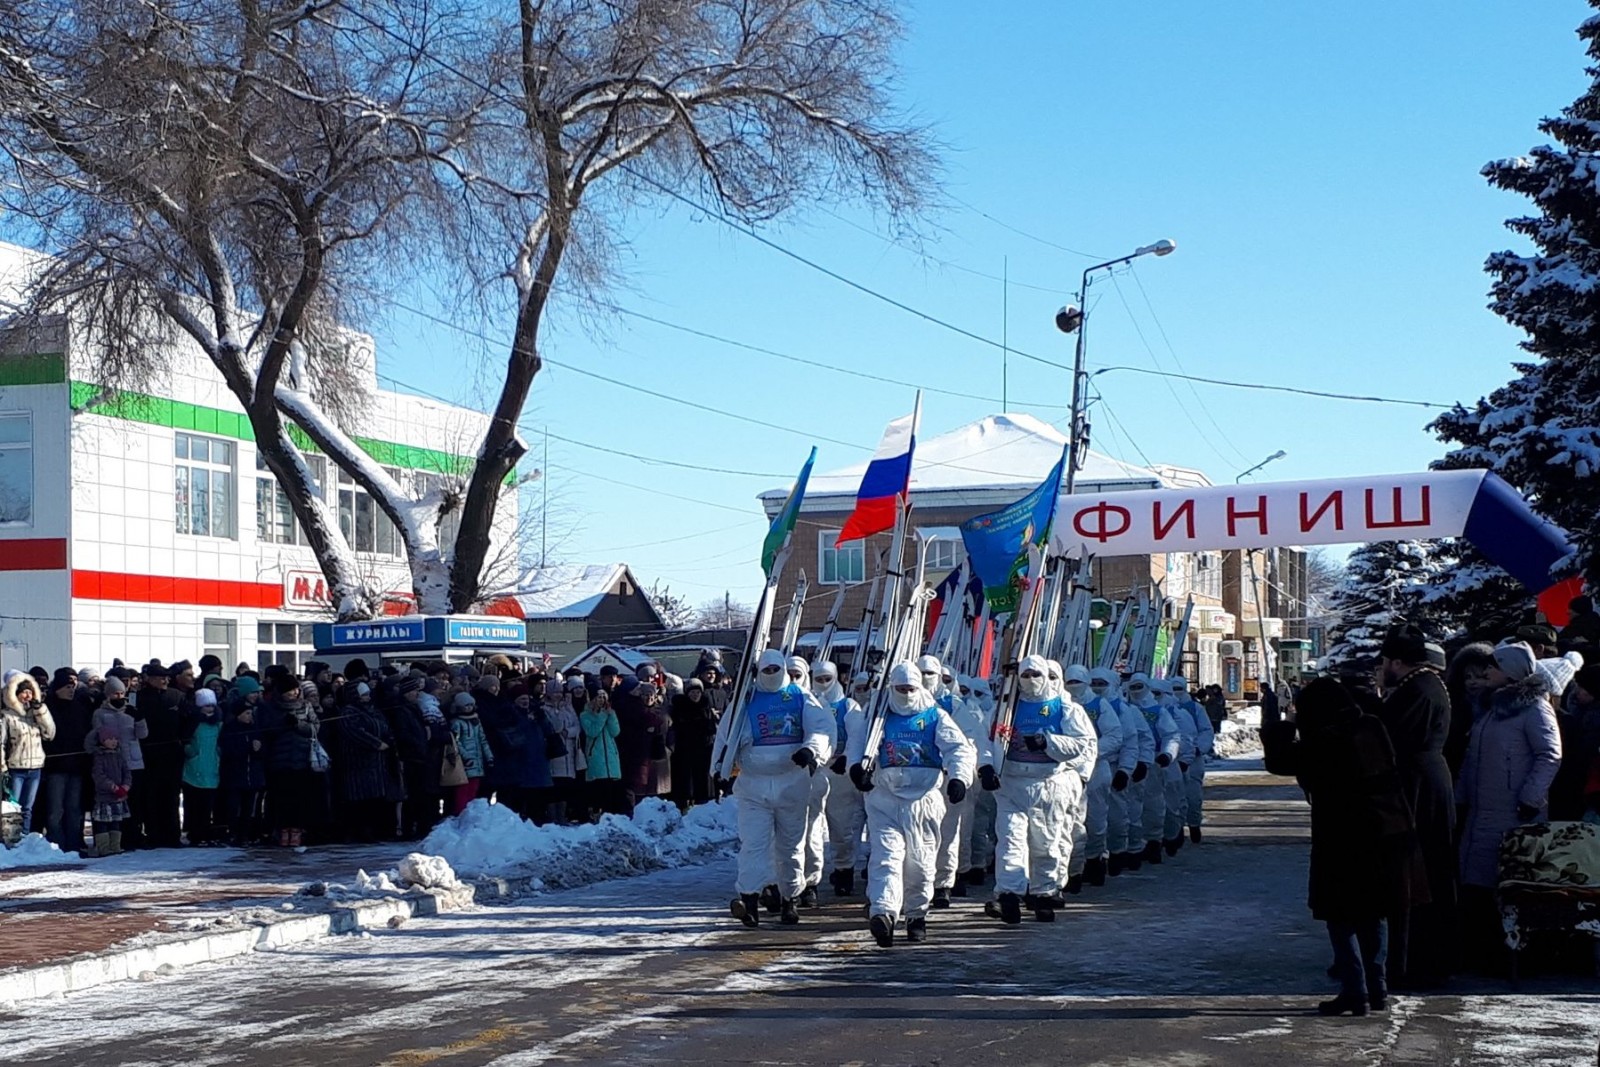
<point>1515,658</point>
<point>1558,673</point>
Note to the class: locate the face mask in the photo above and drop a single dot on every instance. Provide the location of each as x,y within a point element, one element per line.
<point>1033,686</point>
<point>1078,690</point>
<point>770,681</point>
<point>118,703</point>
<point>930,681</point>
<point>906,702</point>
<point>1137,692</point>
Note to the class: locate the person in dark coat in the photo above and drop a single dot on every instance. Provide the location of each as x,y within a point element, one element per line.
<point>1579,722</point>
<point>410,731</point>
<point>1583,628</point>
<point>154,801</point>
<point>1365,861</point>
<point>709,671</point>
<point>66,761</point>
<point>517,735</point>
<point>296,789</point>
<point>1416,712</point>
<point>368,770</point>
<point>1467,682</point>
<point>635,742</point>
<point>694,723</point>
<point>244,765</point>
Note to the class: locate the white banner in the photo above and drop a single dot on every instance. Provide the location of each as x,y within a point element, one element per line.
<point>1390,507</point>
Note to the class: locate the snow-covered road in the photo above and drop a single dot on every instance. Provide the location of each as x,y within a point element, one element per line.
<point>1210,958</point>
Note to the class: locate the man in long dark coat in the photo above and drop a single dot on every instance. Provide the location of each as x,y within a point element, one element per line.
<point>1416,713</point>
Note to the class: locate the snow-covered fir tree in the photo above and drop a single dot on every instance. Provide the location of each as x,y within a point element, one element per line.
<point>1470,598</point>
<point>1385,583</point>
<point>1541,431</point>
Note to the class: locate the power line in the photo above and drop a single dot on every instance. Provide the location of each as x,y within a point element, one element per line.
<point>1272,388</point>
<point>1020,232</point>
<point>1054,290</point>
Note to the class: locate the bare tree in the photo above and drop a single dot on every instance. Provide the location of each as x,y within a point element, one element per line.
<point>233,171</point>
<point>675,611</point>
<point>759,105</point>
<point>725,613</point>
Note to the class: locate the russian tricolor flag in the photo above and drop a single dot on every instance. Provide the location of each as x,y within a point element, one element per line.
<point>887,480</point>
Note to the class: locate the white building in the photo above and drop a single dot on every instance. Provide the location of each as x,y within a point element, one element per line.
<point>141,525</point>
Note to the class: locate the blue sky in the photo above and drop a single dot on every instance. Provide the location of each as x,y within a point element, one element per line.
<point>1317,165</point>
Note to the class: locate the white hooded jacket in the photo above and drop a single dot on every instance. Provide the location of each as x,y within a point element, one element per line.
<point>1069,742</point>
<point>956,754</point>
<point>774,695</point>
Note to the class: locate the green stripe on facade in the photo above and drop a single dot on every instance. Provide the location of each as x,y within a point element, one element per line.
<point>33,368</point>
<point>158,411</point>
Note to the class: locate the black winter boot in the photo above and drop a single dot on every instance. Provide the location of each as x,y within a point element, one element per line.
<point>882,927</point>
<point>1194,834</point>
<point>1075,882</point>
<point>790,916</point>
<point>1152,852</point>
<point>747,909</point>
<point>916,931</point>
<point>941,898</point>
<point>960,889</point>
<point>844,883</point>
<point>1115,864</point>
<point>1172,846</point>
<point>1010,909</point>
<point>771,900</point>
<point>1094,871</point>
<point>808,897</point>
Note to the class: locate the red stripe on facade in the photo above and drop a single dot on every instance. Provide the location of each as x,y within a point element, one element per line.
<point>34,554</point>
<point>149,589</point>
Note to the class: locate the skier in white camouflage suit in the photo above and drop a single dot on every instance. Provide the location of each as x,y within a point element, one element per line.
<point>816,818</point>
<point>1205,741</point>
<point>1125,814</point>
<point>1085,768</point>
<point>845,811</point>
<point>955,834</point>
<point>1164,731</point>
<point>1112,755</point>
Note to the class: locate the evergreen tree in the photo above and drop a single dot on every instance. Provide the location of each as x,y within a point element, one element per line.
<point>1385,583</point>
<point>1541,431</point>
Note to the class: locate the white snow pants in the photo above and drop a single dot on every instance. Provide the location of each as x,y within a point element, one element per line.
<point>1097,816</point>
<point>1196,784</point>
<point>816,826</point>
<point>1153,822</point>
<point>847,814</point>
<point>1123,830</point>
<point>905,852</point>
<point>1177,802</point>
<point>1034,821</point>
<point>955,839</point>
<point>1080,830</point>
<point>982,837</point>
<point>772,829</point>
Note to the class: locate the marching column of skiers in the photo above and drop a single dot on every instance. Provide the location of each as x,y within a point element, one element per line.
<point>1093,777</point>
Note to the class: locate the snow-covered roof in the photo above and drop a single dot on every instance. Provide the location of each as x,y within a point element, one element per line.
<point>1000,454</point>
<point>596,656</point>
<point>567,591</point>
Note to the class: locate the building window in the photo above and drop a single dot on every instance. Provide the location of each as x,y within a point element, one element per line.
<point>220,640</point>
<point>16,468</point>
<point>943,555</point>
<point>203,485</point>
<point>365,525</point>
<point>1207,580</point>
<point>847,563</point>
<point>275,521</point>
<point>451,524</point>
<point>288,643</point>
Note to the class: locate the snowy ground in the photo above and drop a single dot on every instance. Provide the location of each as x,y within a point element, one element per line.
<point>1208,959</point>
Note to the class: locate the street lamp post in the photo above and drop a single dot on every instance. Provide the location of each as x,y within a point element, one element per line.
<point>1279,454</point>
<point>1073,317</point>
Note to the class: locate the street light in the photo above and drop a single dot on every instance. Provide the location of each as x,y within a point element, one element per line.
<point>1070,319</point>
<point>1279,454</point>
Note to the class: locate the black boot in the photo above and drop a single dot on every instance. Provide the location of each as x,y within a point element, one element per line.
<point>941,899</point>
<point>790,916</point>
<point>1043,911</point>
<point>916,931</point>
<point>1010,909</point>
<point>1094,871</point>
<point>771,900</point>
<point>844,882</point>
<point>747,909</point>
<point>1114,865</point>
<point>833,880</point>
<point>808,897</point>
<point>1172,845</point>
<point>1343,1005</point>
<point>976,876</point>
<point>882,927</point>
<point>1075,883</point>
<point>960,889</point>
<point>1194,834</point>
<point>1132,861</point>
<point>1152,852</point>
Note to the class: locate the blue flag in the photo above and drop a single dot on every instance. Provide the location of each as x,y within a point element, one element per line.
<point>997,543</point>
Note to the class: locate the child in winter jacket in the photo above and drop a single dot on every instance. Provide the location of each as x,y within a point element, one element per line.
<point>472,749</point>
<point>202,768</point>
<point>113,778</point>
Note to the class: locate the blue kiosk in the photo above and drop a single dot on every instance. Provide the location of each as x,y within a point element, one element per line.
<point>417,639</point>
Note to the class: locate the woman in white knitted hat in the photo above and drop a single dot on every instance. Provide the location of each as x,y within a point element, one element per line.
<point>1512,757</point>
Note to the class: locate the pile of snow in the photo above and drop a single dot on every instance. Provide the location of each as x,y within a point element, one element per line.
<point>491,840</point>
<point>34,851</point>
<point>427,872</point>
<point>1238,741</point>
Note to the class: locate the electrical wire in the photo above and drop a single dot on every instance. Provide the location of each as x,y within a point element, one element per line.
<point>1272,388</point>
<point>1020,232</point>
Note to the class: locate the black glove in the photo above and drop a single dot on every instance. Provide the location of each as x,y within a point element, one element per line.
<point>989,779</point>
<point>1035,742</point>
<point>1119,781</point>
<point>807,759</point>
<point>724,786</point>
<point>1527,813</point>
<point>1163,760</point>
<point>837,766</point>
<point>956,790</point>
<point>861,778</point>
<point>1141,770</point>
<point>1182,766</point>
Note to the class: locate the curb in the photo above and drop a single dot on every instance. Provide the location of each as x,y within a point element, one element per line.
<point>70,976</point>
